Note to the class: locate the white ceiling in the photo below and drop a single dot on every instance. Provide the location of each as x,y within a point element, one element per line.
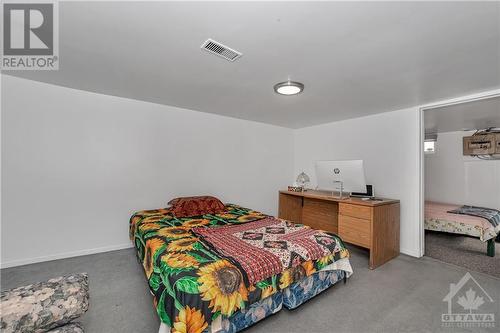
<point>473,115</point>
<point>355,58</point>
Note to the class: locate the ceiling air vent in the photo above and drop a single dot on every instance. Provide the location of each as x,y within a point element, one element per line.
<point>221,50</point>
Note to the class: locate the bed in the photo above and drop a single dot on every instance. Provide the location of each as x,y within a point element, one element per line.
<point>438,218</point>
<point>196,289</point>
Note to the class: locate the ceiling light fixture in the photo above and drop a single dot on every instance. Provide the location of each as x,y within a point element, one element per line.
<point>288,88</point>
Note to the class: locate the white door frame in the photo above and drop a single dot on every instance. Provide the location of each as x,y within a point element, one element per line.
<point>421,157</point>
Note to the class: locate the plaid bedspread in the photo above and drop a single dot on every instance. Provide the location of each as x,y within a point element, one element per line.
<point>492,215</point>
<point>269,246</point>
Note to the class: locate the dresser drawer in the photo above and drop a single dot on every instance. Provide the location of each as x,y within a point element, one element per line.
<point>354,230</point>
<point>361,212</point>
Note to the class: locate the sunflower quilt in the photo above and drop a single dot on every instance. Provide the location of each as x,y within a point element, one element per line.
<point>191,283</point>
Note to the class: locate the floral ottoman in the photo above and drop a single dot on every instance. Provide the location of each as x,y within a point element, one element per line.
<point>48,306</point>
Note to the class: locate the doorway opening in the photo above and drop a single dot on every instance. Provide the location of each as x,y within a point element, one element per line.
<point>460,182</point>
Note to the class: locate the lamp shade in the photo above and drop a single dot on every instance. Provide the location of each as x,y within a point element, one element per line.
<point>303,178</point>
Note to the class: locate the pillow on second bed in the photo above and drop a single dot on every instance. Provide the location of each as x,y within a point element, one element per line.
<point>195,206</point>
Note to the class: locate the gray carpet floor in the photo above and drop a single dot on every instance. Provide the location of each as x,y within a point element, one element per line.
<point>468,252</point>
<point>404,295</point>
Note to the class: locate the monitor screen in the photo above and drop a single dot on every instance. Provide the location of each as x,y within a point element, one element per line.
<point>351,173</point>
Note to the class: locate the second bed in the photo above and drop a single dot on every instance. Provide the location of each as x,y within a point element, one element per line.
<point>439,218</point>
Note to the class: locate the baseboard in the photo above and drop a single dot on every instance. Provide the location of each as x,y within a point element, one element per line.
<point>20,262</point>
<point>412,253</point>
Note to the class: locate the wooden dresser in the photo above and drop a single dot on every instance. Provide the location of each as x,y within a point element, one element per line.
<point>372,224</point>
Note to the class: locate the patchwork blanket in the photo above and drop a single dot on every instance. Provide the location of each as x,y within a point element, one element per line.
<point>492,215</point>
<point>269,246</point>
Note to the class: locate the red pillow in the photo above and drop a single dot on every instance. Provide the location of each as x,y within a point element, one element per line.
<point>195,206</point>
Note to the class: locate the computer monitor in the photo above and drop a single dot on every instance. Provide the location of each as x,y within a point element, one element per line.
<point>351,173</point>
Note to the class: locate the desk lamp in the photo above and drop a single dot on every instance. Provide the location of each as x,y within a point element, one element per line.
<point>302,180</point>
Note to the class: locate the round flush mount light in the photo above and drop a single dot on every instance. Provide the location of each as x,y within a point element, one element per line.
<point>288,88</point>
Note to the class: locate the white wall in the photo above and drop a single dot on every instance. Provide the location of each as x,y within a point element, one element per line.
<point>388,144</point>
<point>76,165</point>
<point>453,178</point>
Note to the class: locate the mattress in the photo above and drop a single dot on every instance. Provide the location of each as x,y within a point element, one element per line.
<point>437,218</point>
<point>253,314</point>
<point>193,286</point>
<point>302,291</point>
<point>292,297</point>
